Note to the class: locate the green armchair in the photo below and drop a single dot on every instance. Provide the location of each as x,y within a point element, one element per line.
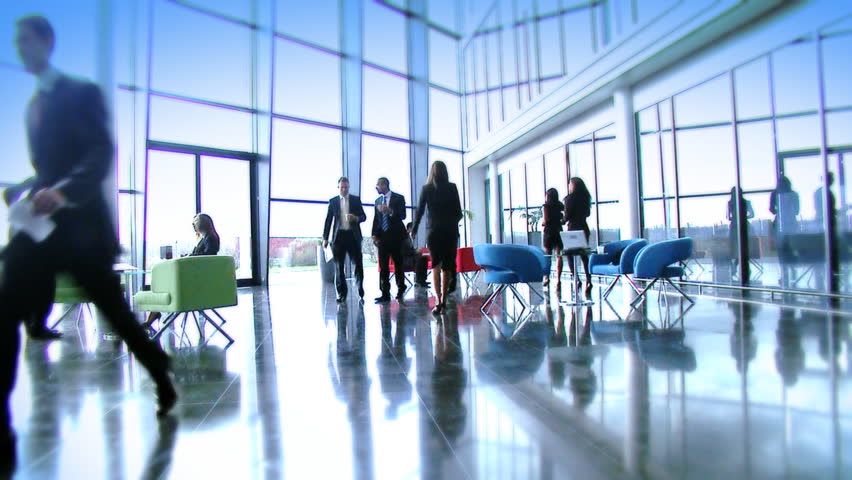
<point>190,285</point>
<point>71,294</point>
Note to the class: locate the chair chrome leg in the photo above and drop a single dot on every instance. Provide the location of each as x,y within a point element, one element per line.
<point>632,284</point>
<point>487,303</point>
<point>166,323</point>
<point>643,293</point>
<point>75,308</point>
<point>680,291</point>
<point>217,326</point>
<point>539,294</point>
<point>520,298</point>
<point>611,286</point>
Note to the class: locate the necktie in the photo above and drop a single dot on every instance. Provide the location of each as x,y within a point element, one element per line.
<point>385,217</point>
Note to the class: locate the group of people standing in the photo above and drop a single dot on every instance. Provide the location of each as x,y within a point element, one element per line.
<point>342,231</point>
<point>572,212</point>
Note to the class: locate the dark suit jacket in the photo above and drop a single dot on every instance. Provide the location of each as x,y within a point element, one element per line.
<point>397,215</point>
<point>72,150</point>
<point>444,205</point>
<point>332,218</point>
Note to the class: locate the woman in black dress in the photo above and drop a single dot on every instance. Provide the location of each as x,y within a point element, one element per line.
<point>552,241</point>
<point>578,207</point>
<point>442,199</point>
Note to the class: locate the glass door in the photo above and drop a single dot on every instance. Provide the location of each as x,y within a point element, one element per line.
<point>181,184</point>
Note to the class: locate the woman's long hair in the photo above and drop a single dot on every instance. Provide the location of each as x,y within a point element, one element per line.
<point>438,174</point>
<point>784,184</point>
<point>552,197</point>
<point>581,192</point>
<point>205,225</point>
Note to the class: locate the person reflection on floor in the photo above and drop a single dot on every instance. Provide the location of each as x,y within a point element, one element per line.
<point>558,338</point>
<point>789,354</point>
<point>393,362</point>
<point>352,385</point>
<point>743,341</point>
<point>582,379</point>
<point>449,379</point>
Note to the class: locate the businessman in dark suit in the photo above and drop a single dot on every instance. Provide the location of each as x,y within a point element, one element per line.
<point>389,236</point>
<point>72,152</point>
<point>343,223</point>
<point>36,322</point>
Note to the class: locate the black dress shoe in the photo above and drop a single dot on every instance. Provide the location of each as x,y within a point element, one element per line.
<point>44,333</point>
<point>383,299</point>
<point>400,295</point>
<point>166,395</point>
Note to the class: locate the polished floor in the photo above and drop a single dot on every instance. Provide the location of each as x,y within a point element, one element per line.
<point>734,389</point>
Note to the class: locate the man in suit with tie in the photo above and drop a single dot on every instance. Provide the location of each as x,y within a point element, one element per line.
<point>72,151</point>
<point>343,222</point>
<point>389,235</point>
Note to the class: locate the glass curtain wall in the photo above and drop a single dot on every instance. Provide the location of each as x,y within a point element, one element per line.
<point>522,50</point>
<point>777,138</point>
<point>209,75</point>
<point>587,157</point>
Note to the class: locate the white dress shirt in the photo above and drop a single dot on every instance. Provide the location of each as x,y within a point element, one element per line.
<point>344,213</point>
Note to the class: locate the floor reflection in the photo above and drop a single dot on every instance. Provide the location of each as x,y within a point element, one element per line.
<point>733,389</point>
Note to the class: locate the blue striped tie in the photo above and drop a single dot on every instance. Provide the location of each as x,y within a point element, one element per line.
<point>385,218</point>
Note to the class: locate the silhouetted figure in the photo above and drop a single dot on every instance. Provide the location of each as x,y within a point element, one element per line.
<point>552,212</point>
<point>739,213</point>
<point>72,152</point>
<point>784,204</point>
<point>831,213</point>
<point>578,207</point>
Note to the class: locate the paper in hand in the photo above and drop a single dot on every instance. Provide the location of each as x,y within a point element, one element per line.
<point>329,254</point>
<point>22,218</point>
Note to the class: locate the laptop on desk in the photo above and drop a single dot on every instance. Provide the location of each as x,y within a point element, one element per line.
<point>573,239</point>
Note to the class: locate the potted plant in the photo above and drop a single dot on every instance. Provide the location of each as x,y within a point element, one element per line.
<point>533,217</point>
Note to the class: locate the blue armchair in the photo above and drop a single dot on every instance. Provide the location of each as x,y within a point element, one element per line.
<point>509,265</point>
<point>660,262</point>
<point>604,264</point>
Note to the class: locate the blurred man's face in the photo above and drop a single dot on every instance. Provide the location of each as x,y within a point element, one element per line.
<point>33,50</point>
<point>344,188</point>
<point>382,187</point>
